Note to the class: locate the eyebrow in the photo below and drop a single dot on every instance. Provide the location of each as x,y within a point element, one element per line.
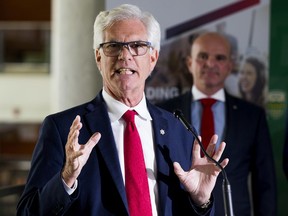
<point>222,56</point>
<point>217,56</point>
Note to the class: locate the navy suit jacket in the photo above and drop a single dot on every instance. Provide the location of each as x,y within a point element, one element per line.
<point>249,151</point>
<point>100,188</point>
<point>285,148</point>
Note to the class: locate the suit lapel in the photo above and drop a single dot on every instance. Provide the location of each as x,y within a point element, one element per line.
<point>233,119</point>
<point>160,128</point>
<point>98,121</point>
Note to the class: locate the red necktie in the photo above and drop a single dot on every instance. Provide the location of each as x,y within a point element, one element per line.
<point>207,122</point>
<point>136,180</point>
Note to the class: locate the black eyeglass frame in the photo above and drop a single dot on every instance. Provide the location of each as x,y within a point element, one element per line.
<point>147,44</point>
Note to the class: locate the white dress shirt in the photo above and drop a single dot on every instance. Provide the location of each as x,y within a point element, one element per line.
<point>218,110</point>
<point>143,122</point>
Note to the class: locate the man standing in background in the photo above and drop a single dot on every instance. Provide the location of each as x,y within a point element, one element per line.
<point>241,124</point>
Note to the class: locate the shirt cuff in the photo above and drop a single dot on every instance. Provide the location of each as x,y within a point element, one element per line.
<point>68,189</point>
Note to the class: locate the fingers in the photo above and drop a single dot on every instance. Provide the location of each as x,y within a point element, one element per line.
<point>178,169</point>
<point>210,149</point>
<point>224,162</point>
<point>212,144</point>
<point>73,148</point>
<point>93,140</point>
<point>219,151</point>
<point>76,124</point>
<point>217,155</point>
<point>196,148</point>
<point>72,140</point>
<point>74,133</point>
<point>214,139</point>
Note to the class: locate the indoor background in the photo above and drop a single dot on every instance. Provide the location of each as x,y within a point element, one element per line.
<point>47,65</point>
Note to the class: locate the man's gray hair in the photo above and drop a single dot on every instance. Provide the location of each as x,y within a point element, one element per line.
<point>105,19</point>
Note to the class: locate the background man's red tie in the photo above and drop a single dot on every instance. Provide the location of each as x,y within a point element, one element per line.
<point>207,122</point>
<point>136,180</point>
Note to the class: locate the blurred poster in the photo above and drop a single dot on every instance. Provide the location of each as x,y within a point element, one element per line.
<point>246,25</point>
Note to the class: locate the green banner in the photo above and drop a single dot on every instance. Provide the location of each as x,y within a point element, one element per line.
<point>278,89</point>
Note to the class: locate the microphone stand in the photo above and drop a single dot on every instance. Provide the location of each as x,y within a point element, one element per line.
<point>226,187</point>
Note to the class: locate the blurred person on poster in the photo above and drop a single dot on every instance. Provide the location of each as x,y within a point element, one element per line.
<point>241,124</point>
<point>252,81</point>
<point>80,164</point>
<point>231,82</point>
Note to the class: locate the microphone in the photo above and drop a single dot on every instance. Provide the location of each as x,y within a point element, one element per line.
<point>226,187</point>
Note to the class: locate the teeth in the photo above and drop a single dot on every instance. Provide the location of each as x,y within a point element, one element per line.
<point>125,71</point>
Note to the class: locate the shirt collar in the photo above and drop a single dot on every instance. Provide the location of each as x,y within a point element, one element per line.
<point>116,109</point>
<point>197,94</point>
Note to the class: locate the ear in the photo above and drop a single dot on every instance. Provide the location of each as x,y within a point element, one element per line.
<point>189,62</point>
<point>154,58</point>
<point>98,59</point>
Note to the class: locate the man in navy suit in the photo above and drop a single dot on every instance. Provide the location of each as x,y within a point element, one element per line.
<point>241,125</point>
<point>78,162</point>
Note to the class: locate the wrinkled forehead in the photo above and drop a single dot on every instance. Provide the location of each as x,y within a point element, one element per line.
<point>126,30</point>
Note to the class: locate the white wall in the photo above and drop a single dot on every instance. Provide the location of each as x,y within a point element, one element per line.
<point>24,97</point>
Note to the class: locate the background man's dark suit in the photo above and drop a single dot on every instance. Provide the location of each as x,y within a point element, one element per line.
<point>285,148</point>
<point>248,149</point>
<point>100,185</point>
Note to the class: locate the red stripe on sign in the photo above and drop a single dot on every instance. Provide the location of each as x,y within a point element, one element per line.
<point>209,17</point>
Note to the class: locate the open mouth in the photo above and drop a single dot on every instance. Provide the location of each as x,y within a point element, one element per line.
<point>126,71</point>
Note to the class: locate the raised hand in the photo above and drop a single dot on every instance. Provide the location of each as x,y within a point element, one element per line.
<point>200,180</point>
<point>77,154</point>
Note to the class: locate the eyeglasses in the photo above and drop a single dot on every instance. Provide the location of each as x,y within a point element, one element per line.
<point>136,48</point>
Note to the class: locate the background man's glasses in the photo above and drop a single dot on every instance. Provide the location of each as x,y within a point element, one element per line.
<point>136,48</point>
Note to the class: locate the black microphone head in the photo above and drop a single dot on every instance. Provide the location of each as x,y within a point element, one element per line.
<point>177,113</point>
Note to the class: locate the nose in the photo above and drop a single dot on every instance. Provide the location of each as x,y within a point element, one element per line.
<point>211,62</point>
<point>124,53</point>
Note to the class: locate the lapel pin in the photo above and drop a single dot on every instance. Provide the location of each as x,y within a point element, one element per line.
<point>162,131</point>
